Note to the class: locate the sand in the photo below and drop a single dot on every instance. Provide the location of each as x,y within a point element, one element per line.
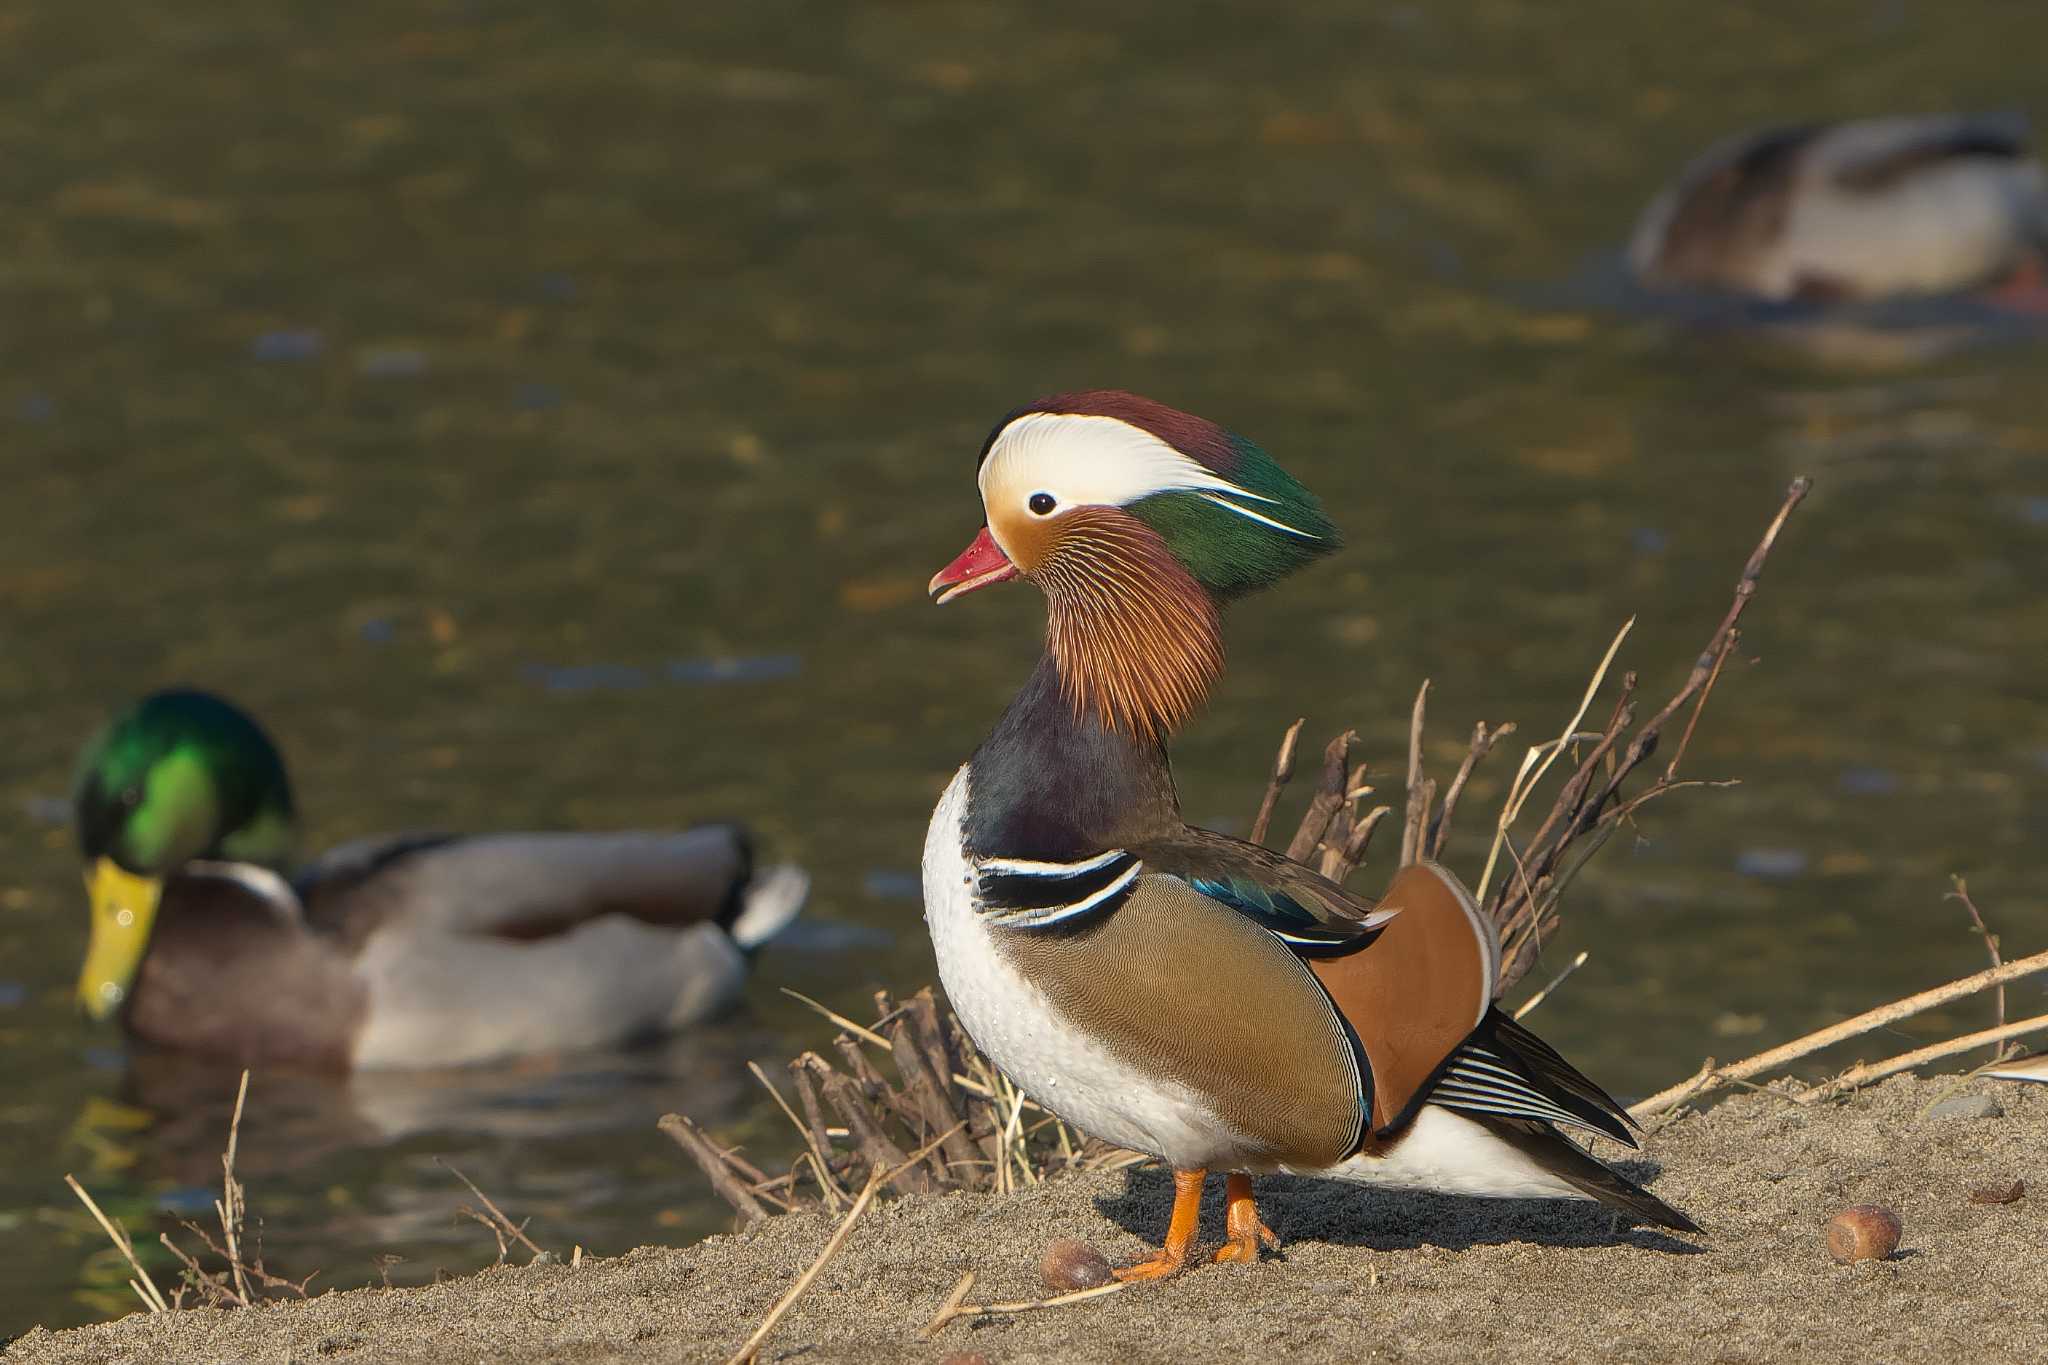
<point>1364,1276</point>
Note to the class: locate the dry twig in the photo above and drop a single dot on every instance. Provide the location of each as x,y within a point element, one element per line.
<point>1920,1056</point>
<point>951,1121</point>
<point>497,1221</point>
<point>956,1305</point>
<point>145,1287</point>
<point>1419,790</point>
<point>712,1161</point>
<point>1533,1001</point>
<point>782,1305</point>
<point>230,1206</point>
<point>1962,893</point>
<point>1845,1030</point>
<point>1283,770</point>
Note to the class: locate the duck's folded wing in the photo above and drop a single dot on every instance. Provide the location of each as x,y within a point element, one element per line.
<point>1305,910</point>
<point>526,886</point>
<point>1879,153</point>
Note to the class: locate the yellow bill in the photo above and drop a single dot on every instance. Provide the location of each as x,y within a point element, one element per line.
<point>123,911</point>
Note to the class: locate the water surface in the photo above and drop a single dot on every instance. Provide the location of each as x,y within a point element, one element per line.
<point>541,424</point>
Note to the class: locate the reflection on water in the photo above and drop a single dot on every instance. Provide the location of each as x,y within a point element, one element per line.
<point>541,423</point>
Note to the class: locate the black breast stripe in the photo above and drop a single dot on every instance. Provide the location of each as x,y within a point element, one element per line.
<point>1026,894</point>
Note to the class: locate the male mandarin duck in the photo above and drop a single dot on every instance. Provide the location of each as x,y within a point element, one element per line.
<point>1856,211</point>
<point>1174,990</point>
<point>406,951</point>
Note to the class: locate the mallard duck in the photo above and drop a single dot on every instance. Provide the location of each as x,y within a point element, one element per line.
<point>1174,990</point>
<point>1857,211</point>
<point>420,950</point>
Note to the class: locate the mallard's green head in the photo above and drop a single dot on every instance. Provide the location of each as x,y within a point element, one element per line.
<point>180,775</point>
<point>1139,521</point>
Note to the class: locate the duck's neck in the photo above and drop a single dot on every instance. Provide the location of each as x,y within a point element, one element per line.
<point>1054,784</point>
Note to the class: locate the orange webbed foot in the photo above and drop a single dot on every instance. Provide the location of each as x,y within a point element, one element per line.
<point>1247,1230</point>
<point>1180,1232</point>
<point>1153,1268</point>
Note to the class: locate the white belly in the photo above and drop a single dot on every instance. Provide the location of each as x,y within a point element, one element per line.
<point>1449,1153</point>
<point>1012,1022</point>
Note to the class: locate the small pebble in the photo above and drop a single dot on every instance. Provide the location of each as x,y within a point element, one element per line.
<point>1866,1232</point>
<point>1070,1264</point>
<point>1968,1107</point>
<point>2004,1192</point>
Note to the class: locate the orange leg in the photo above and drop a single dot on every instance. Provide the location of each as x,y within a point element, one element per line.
<point>1180,1231</point>
<point>1246,1231</point>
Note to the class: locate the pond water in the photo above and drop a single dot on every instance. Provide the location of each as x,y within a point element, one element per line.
<point>541,425</point>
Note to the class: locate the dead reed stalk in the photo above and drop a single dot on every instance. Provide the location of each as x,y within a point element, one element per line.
<point>1589,805</point>
<point>947,1120</point>
<point>243,1281</point>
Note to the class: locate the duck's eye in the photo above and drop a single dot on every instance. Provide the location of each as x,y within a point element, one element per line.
<point>1041,504</point>
<point>131,796</point>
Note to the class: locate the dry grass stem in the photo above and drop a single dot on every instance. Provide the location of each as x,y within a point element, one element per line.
<point>496,1220</point>
<point>1418,789</point>
<point>244,1282</point>
<point>957,1307</point>
<point>1533,1001</point>
<point>1483,741</point>
<point>858,1030</point>
<point>1283,771</point>
<point>949,1309</point>
<point>1329,799</point>
<point>1536,762</point>
<point>230,1206</point>
<point>714,1163</point>
<point>1906,1061</point>
<point>803,1282</point>
<point>145,1287</point>
<point>946,1120</point>
<point>1962,893</point>
<point>1843,1031</point>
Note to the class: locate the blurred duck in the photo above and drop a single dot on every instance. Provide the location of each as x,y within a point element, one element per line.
<point>421,950</point>
<point>1854,212</point>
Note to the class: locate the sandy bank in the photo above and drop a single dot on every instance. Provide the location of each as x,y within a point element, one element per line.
<point>1366,1276</point>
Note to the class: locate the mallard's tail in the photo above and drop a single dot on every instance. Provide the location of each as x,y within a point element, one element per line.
<point>772,899</point>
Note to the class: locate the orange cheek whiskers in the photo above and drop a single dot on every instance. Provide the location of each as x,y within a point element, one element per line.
<point>1137,640</point>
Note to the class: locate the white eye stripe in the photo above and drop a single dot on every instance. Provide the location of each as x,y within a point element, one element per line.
<point>1087,460</point>
<point>1248,512</point>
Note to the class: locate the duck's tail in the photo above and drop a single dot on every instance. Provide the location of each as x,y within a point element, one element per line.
<point>773,898</point>
<point>1564,1159</point>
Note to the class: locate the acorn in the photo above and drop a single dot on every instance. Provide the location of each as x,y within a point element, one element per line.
<point>1070,1264</point>
<point>1866,1232</point>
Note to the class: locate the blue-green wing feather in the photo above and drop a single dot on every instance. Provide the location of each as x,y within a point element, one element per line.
<point>1306,911</point>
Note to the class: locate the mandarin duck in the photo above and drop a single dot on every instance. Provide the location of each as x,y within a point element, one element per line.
<point>1170,989</point>
<point>422,950</point>
<point>1857,211</point>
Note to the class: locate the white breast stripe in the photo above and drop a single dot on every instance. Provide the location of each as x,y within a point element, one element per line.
<point>1027,867</point>
<point>1045,916</point>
